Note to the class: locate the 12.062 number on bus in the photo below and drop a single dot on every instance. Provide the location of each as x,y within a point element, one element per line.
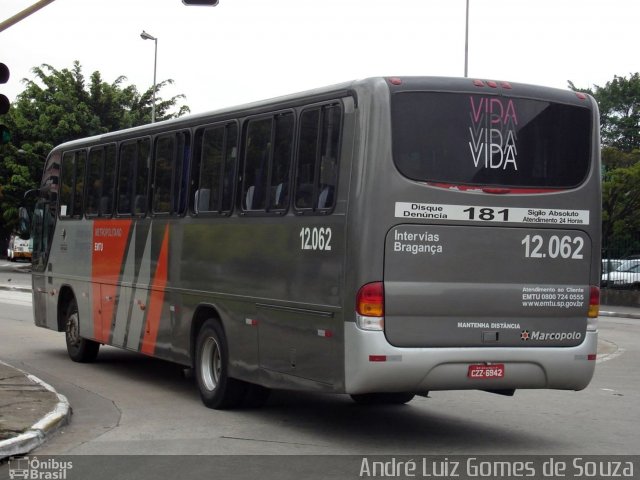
<point>315,238</point>
<point>536,246</point>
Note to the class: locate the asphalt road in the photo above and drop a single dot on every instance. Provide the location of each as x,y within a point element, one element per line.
<point>129,404</point>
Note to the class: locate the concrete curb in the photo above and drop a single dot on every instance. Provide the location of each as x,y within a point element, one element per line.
<point>38,433</point>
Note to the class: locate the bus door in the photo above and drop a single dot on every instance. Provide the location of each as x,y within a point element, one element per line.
<point>44,307</point>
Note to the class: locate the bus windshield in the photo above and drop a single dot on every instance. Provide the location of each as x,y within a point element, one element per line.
<point>489,140</point>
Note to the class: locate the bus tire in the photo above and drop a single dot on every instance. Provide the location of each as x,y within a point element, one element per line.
<point>217,389</point>
<point>79,349</point>
<point>384,398</point>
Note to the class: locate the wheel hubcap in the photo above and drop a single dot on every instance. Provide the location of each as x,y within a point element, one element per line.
<point>211,364</point>
<point>72,329</point>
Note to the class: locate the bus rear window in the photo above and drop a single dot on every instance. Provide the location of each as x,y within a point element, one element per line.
<point>464,139</point>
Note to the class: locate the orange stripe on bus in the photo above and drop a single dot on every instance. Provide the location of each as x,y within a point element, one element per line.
<point>156,298</point>
<point>110,239</point>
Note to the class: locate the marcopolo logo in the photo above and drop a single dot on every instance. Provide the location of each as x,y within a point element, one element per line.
<point>526,335</point>
<point>35,469</point>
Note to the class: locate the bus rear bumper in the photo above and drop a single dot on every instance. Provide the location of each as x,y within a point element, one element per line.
<point>373,365</point>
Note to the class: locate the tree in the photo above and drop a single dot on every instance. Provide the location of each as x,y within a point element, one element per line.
<point>619,103</point>
<point>57,106</point>
<point>621,209</point>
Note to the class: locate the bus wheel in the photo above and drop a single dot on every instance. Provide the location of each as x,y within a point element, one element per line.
<point>385,398</point>
<point>79,349</point>
<point>217,389</point>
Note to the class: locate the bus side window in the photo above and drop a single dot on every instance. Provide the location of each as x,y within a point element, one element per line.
<point>72,177</point>
<point>100,181</point>
<point>267,165</point>
<point>215,168</point>
<point>94,182</point>
<point>170,165</point>
<point>181,176</point>
<point>163,165</point>
<point>108,181</point>
<point>133,177</point>
<point>317,160</point>
<point>256,164</point>
<point>281,165</point>
<point>126,176</point>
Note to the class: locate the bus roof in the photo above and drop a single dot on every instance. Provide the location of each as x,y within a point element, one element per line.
<point>350,88</point>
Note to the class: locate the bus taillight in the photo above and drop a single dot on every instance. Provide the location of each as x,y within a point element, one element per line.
<point>370,306</point>
<point>594,302</point>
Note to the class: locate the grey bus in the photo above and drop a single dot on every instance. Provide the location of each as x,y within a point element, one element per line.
<point>380,238</point>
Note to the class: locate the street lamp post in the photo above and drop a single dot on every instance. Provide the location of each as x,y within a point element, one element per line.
<point>466,44</point>
<point>145,36</point>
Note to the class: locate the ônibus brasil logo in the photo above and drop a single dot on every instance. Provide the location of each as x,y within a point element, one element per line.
<point>32,468</point>
<point>526,335</point>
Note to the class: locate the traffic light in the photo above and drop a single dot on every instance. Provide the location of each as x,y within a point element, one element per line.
<point>5,136</point>
<point>207,3</point>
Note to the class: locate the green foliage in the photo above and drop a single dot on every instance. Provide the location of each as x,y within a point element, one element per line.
<point>613,158</point>
<point>621,204</point>
<point>60,105</point>
<point>619,102</point>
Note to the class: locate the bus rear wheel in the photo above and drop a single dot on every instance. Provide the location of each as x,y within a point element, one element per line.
<point>79,349</point>
<point>384,398</point>
<point>217,389</point>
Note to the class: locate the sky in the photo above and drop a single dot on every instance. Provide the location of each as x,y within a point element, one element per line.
<point>247,50</point>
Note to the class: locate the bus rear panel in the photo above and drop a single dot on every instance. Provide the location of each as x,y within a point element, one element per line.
<point>487,236</point>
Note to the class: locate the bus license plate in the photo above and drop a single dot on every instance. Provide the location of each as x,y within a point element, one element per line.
<point>486,372</point>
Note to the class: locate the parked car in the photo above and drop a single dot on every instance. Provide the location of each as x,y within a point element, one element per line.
<point>610,264</point>
<point>18,248</point>
<point>627,275</point>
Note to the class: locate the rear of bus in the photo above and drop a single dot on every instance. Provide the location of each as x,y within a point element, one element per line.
<point>479,211</point>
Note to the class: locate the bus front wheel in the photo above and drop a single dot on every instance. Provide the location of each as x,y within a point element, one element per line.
<point>79,349</point>
<point>385,398</point>
<point>217,389</point>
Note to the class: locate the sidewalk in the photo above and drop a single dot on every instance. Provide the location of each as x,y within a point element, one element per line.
<point>13,282</point>
<point>30,411</point>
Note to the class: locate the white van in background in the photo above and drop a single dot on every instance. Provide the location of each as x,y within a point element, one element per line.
<point>18,248</point>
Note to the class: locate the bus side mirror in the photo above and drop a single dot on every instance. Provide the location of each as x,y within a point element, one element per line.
<point>24,223</point>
